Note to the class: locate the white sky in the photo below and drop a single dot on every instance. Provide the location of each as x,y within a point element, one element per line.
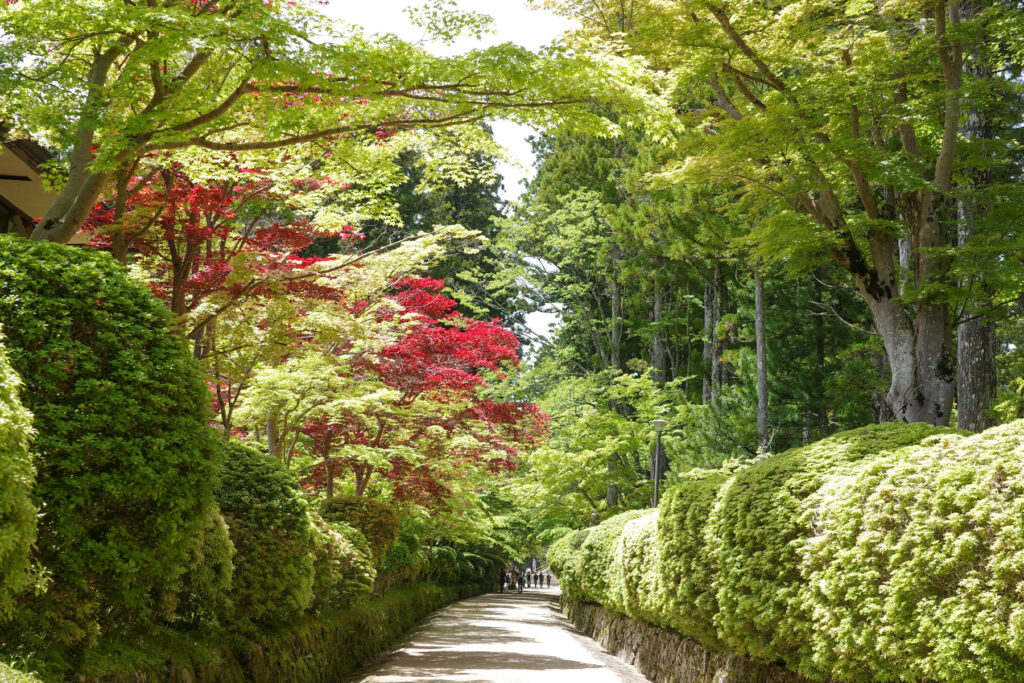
<point>515,22</point>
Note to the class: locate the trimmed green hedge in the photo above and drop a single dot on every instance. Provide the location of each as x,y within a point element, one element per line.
<point>312,649</point>
<point>889,553</point>
<point>377,521</point>
<point>9,675</point>
<point>342,565</point>
<point>204,596</point>
<point>270,528</point>
<point>125,455</point>
<point>17,474</point>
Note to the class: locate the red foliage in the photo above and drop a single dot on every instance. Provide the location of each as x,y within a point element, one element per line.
<point>197,244</point>
<point>196,239</point>
<point>440,361</point>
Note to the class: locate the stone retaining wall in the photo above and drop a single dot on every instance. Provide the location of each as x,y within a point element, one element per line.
<point>667,657</point>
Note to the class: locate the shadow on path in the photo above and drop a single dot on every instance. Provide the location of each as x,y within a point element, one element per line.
<point>500,638</point>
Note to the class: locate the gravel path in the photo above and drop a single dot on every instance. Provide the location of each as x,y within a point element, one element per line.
<point>500,638</point>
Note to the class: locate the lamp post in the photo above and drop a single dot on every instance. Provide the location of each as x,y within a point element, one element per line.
<point>658,426</point>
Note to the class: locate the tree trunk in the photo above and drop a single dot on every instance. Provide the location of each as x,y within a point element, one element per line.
<point>919,348</point>
<point>712,345</point>
<point>689,346</point>
<point>273,436</point>
<point>976,374</point>
<point>709,333</point>
<point>819,348</point>
<point>920,360</point>
<point>658,465</point>
<point>612,493</point>
<point>760,334</point>
<point>615,330</point>
<point>362,480</point>
<point>976,337</point>
<point>329,466</point>
<point>659,365</point>
<point>69,211</point>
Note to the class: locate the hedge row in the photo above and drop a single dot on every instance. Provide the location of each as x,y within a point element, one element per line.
<point>889,553</point>
<point>156,536</point>
<point>17,513</point>
<point>314,649</point>
<point>126,459</point>
<point>149,520</point>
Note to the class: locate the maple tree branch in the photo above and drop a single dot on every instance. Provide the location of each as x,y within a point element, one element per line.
<point>723,100</point>
<point>723,20</point>
<point>951,59</point>
<point>748,93</point>
<point>739,73</point>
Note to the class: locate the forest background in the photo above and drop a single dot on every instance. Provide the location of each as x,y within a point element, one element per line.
<point>738,234</point>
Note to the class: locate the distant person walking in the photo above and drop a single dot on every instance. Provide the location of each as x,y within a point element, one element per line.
<point>521,579</point>
<point>549,579</point>
<point>501,580</point>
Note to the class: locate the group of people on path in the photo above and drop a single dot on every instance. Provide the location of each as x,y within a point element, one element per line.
<point>519,579</point>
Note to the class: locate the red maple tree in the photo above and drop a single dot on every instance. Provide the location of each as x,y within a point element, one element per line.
<point>199,239</point>
<point>438,369</point>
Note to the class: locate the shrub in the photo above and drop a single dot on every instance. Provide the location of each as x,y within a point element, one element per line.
<point>564,558</point>
<point>205,592</point>
<point>687,562</point>
<point>377,521</point>
<point>402,563</point>
<point>890,553</point>
<point>17,514</point>
<point>125,456</point>
<point>637,592</point>
<point>916,571</point>
<point>11,675</point>
<point>272,534</point>
<point>598,555</point>
<point>343,571</point>
<point>760,515</point>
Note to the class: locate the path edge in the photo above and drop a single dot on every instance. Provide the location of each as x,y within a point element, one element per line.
<point>664,656</point>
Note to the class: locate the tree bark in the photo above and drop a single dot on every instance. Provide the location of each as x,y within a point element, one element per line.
<point>273,436</point>
<point>819,348</point>
<point>712,344</point>
<point>611,496</point>
<point>919,347</point>
<point>976,337</point>
<point>658,350</point>
<point>976,374</point>
<point>918,337</point>
<point>615,330</point>
<point>329,466</point>
<point>760,341</point>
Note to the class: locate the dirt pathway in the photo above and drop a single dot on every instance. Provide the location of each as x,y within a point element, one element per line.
<point>500,638</point>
